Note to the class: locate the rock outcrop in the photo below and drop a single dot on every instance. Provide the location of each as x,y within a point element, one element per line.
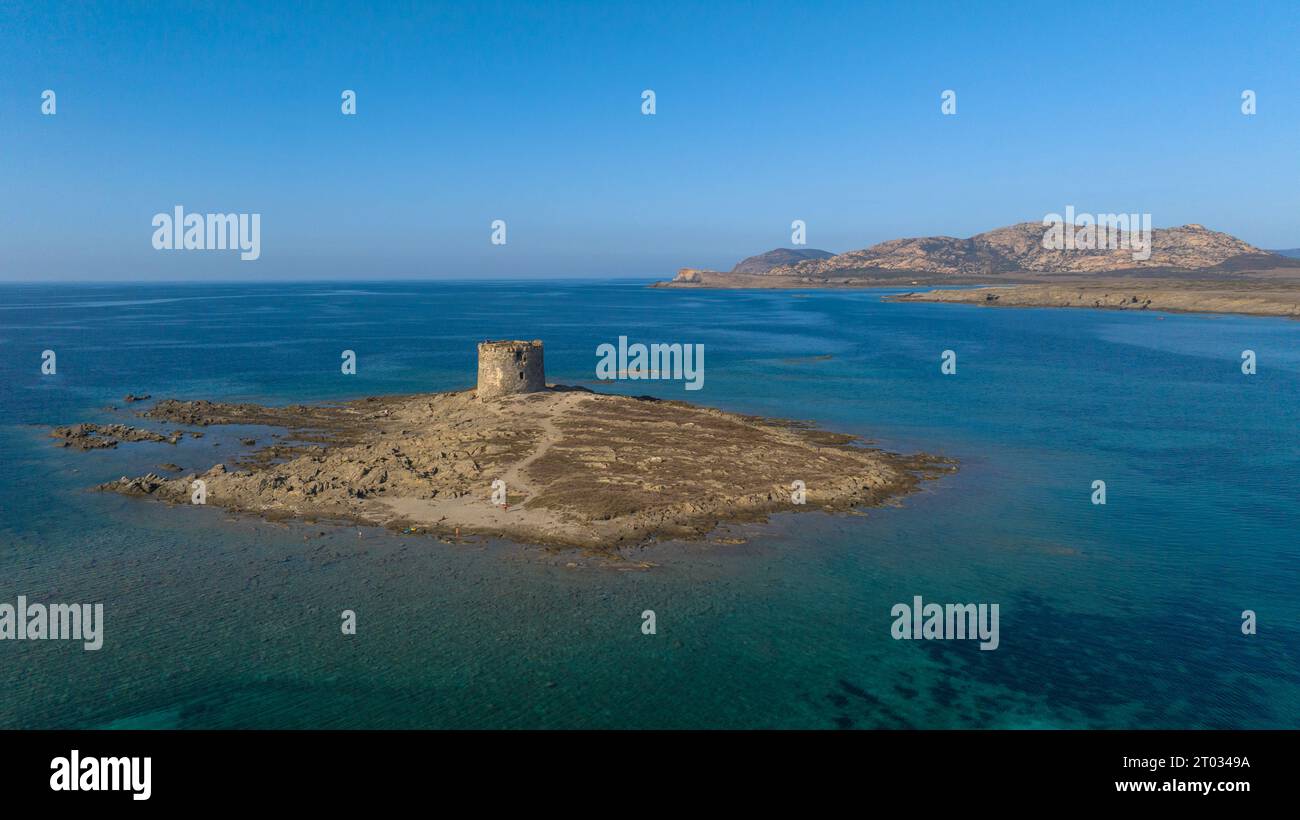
<point>691,276</point>
<point>105,436</point>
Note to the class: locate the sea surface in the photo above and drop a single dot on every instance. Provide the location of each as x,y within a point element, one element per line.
<point>1127,614</point>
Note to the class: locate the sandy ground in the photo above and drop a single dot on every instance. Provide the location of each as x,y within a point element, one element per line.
<point>1262,292</point>
<point>1256,298</point>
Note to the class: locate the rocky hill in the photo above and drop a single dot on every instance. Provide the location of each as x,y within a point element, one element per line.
<point>1020,249</point>
<point>781,257</point>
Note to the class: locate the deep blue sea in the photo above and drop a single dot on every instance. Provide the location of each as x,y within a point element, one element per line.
<point>1127,614</point>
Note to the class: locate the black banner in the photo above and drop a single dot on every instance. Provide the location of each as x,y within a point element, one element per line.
<point>140,769</point>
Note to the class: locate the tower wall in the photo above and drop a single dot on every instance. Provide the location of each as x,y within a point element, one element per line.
<point>509,367</point>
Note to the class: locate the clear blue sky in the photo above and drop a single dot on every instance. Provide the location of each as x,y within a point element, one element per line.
<point>530,112</point>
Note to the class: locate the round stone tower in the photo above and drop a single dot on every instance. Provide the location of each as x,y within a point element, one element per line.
<point>509,367</point>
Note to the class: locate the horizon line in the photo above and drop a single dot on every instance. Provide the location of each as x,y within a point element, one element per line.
<point>273,281</point>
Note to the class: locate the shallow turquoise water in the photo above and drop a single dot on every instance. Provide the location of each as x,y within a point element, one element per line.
<point>1120,615</point>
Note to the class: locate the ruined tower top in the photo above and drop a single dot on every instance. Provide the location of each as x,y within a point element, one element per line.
<point>509,367</point>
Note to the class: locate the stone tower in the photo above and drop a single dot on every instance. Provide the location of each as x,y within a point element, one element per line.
<point>509,367</point>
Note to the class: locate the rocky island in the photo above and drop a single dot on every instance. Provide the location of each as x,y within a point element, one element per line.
<point>531,462</point>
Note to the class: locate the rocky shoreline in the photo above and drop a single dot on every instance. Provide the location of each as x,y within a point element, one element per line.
<point>107,436</point>
<point>564,466</point>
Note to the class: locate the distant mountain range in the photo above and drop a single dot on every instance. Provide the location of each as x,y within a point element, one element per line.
<point>1015,249</point>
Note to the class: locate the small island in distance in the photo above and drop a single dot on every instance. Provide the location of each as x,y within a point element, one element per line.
<point>1190,268</point>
